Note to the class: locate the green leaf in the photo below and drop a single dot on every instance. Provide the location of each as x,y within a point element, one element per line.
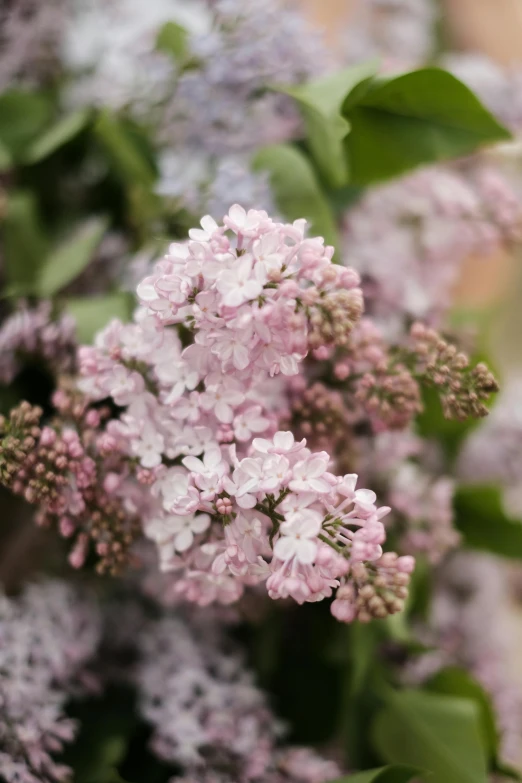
<point>173,40</point>
<point>123,150</point>
<point>320,103</point>
<point>95,312</point>
<point>56,136</point>
<point>397,773</point>
<point>23,115</point>
<point>296,190</point>
<point>6,160</point>
<point>453,681</point>
<point>440,734</point>
<point>420,117</point>
<point>70,257</point>
<point>483,523</point>
<point>25,245</point>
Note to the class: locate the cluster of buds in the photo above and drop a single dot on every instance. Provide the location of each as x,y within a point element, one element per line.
<point>333,315</point>
<point>60,469</point>
<point>390,396</point>
<point>374,591</point>
<point>463,389</point>
<point>378,387</point>
<point>382,383</point>
<point>20,434</point>
<point>318,414</point>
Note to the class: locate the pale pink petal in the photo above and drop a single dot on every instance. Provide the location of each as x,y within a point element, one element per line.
<point>306,551</point>
<point>200,523</point>
<point>184,540</point>
<point>285,548</point>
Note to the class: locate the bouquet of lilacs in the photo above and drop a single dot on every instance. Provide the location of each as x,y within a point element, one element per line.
<point>233,474</point>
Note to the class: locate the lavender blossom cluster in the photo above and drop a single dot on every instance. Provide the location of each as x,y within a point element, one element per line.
<point>221,111</point>
<point>208,715</point>
<point>48,637</point>
<point>222,106</point>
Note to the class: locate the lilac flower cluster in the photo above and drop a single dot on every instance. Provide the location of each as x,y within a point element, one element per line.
<point>426,225</point>
<point>234,509</point>
<point>31,334</point>
<point>207,118</point>
<point>48,637</point>
<point>208,715</point>
<point>221,106</point>
<point>221,111</point>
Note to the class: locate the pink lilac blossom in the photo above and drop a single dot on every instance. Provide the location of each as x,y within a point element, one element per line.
<point>237,501</point>
<point>208,715</point>
<point>48,636</point>
<point>31,334</point>
<point>493,451</point>
<point>402,32</point>
<point>421,498</point>
<point>408,239</point>
<point>29,41</point>
<point>471,589</point>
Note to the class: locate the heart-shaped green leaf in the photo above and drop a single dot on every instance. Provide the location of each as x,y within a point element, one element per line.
<point>398,123</point>
<point>458,682</point>
<point>124,150</point>
<point>440,734</point>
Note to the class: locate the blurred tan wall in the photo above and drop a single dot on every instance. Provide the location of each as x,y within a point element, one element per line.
<point>493,26</point>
